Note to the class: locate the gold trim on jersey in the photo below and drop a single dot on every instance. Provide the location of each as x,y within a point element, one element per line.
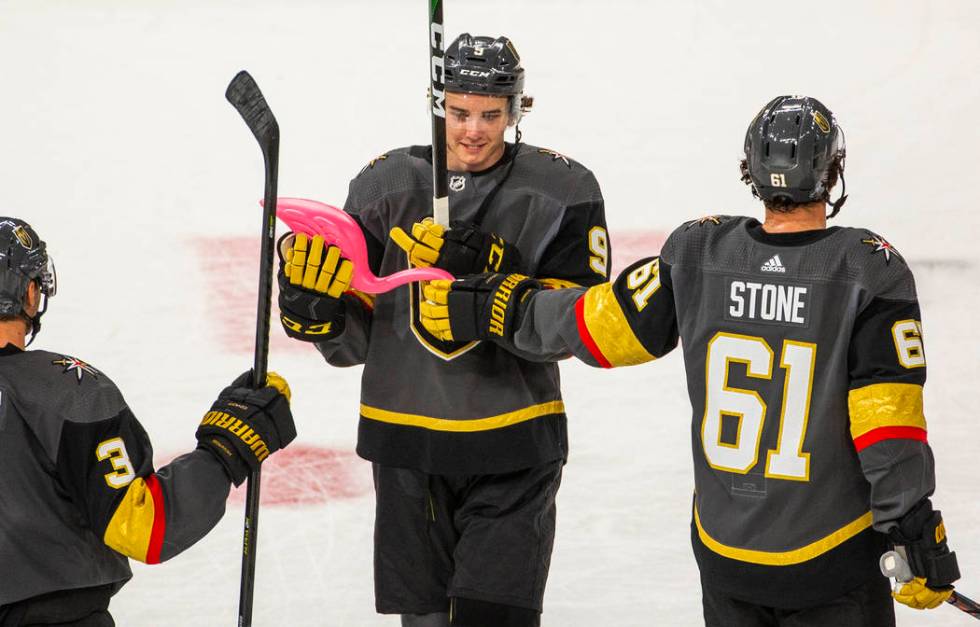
<point>131,526</point>
<point>449,350</point>
<point>364,297</point>
<point>885,405</point>
<point>557,284</point>
<point>785,558</point>
<point>610,329</point>
<point>467,426</point>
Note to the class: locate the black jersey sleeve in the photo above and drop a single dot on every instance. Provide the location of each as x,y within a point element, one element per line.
<point>581,252</point>
<point>627,322</point>
<point>106,467</point>
<point>887,372</point>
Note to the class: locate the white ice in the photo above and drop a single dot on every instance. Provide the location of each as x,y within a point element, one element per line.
<point>118,146</point>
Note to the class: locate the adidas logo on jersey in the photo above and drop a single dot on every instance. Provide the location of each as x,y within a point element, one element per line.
<point>773,265</point>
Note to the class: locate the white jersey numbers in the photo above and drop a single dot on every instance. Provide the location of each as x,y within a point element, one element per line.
<point>115,450</point>
<point>644,281</point>
<point>747,408</point>
<point>907,335</point>
<point>599,247</point>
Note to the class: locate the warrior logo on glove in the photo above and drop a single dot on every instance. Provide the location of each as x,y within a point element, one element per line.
<point>461,250</point>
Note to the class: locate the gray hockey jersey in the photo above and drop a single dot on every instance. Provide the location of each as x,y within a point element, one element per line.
<point>78,494</point>
<point>466,408</point>
<point>805,367</point>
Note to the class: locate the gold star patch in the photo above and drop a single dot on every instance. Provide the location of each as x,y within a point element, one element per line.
<point>555,155</point>
<point>372,163</point>
<point>703,221</point>
<point>880,245</point>
<point>79,367</point>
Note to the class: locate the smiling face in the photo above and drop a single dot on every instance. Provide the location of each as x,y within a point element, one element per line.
<point>475,126</point>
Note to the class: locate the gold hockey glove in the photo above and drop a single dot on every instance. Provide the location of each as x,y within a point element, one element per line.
<point>463,249</point>
<point>312,279</point>
<point>246,425</point>
<point>922,534</point>
<point>483,307</point>
<point>917,595</point>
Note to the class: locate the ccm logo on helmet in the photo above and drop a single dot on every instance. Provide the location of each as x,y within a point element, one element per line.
<point>476,73</point>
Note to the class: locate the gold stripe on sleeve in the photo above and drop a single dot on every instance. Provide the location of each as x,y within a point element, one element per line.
<point>131,526</point>
<point>885,405</point>
<point>610,330</point>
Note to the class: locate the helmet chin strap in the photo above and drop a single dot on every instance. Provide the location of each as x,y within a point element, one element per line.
<point>35,322</point>
<point>837,204</point>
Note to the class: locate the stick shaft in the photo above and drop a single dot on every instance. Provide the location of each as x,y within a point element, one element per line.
<point>247,98</point>
<point>437,106</point>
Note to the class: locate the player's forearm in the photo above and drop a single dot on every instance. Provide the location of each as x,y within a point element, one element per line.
<point>901,474</point>
<point>547,330</point>
<point>151,524</point>
<point>351,346</point>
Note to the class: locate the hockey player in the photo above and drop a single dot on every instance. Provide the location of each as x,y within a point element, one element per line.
<point>468,439</point>
<point>78,494</point>
<point>805,365</point>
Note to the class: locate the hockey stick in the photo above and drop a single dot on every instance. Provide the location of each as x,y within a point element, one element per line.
<point>246,97</point>
<point>894,564</point>
<point>437,107</point>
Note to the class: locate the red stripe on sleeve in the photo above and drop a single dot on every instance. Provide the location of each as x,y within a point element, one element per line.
<point>889,433</point>
<point>159,521</point>
<point>585,336</point>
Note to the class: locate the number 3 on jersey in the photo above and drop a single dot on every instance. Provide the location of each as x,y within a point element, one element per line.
<point>787,460</point>
<point>115,451</point>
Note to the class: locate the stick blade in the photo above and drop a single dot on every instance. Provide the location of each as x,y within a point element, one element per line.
<point>244,94</point>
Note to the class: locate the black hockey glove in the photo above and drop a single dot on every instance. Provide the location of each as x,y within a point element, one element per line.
<point>922,534</point>
<point>483,307</point>
<point>312,279</point>
<point>462,250</point>
<point>246,425</point>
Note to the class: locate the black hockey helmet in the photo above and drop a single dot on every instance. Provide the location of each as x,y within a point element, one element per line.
<point>484,65</point>
<point>789,148</point>
<point>23,259</point>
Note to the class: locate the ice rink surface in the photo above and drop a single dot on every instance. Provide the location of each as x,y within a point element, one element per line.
<point>118,146</point>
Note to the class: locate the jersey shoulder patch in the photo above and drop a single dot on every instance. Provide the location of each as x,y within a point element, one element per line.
<point>370,164</point>
<point>693,236</point>
<point>878,264</point>
<point>879,245</point>
<point>76,367</point>
<point>50,389</point>
<point>393,171</point>
<point>555,156</point>
<point>554,174</point>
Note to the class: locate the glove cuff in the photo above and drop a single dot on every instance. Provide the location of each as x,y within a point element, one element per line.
<point>236,469</point>
<point>922,532</point>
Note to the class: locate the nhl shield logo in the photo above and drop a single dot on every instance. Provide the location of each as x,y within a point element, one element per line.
<point>457,182</point>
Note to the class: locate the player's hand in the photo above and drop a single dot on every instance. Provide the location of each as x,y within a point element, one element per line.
<point>917,595</point>
<point>463,249</point>
<point>922,534</point>
<point>423,245</point>
<point>312,278</point>
<point>483,307</point>
<point>246,425</point>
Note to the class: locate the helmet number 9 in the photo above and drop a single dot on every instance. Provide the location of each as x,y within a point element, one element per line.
<point>777,180</point>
